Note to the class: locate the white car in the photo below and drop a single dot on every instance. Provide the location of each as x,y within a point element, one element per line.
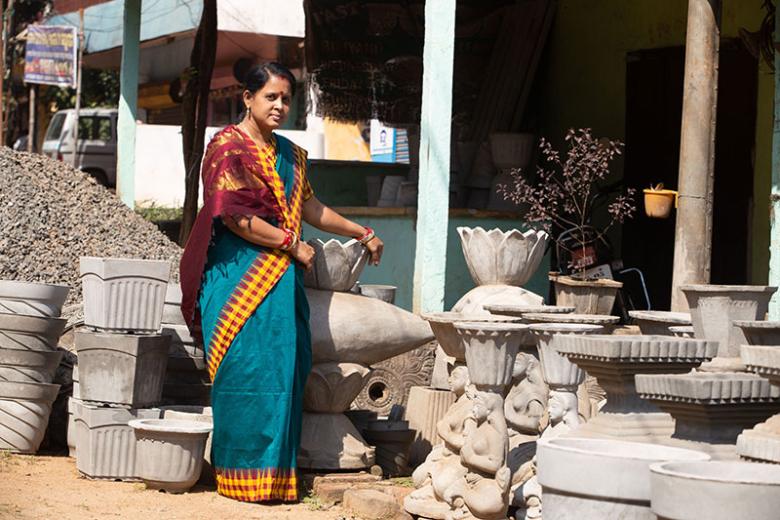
<point>96,152</point>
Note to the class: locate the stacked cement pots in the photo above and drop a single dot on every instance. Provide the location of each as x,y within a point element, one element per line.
<point>350,333</point>
<point>30,329</point>
<point>122,361</point>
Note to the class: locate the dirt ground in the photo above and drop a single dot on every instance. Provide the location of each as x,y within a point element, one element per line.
<point>49,488</point>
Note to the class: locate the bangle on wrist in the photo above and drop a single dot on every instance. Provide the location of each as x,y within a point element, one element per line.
<point>290,240</point>
<point>367,236</point>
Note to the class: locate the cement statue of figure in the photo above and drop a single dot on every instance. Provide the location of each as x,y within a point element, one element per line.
<point>564,416</point>
<point>450,427</point>
<point>527,399</point>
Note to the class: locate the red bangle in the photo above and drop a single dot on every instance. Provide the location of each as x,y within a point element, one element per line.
<point>289,240</point>
<point>367,236</point>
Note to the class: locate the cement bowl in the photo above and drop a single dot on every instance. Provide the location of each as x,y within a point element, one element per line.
<point>32,299</point>
<point>760,332</point>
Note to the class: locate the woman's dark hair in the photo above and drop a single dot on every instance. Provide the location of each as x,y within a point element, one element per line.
<point>258,75</point>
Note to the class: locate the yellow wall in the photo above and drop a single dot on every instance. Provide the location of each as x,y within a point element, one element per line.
<point>583,74</point>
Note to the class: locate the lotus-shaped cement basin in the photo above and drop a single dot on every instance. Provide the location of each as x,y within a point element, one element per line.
<point>332,387</point>
<point>714,308</point>
<point>658,322</point>
<point>503,309</point>
<point>760,332</point>
<point>337,265</point>
<point>600,478</point>
<point>170,452</point>
<point>24,414</point>
<point>497,257</point>
<point>443,326</point>
<point>28,366</point>
<point>491,349</point>
<point>32,299</point>
<point>715,490</point>
<point>557,370</point>
<point>30,332</point>
<point>355,329</point>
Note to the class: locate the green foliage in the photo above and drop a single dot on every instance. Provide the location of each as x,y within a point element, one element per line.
<point>154,213</point>
<point>99,88</point>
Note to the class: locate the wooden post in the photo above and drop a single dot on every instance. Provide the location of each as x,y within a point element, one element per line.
<point>693,230</point>
<point>430,261</point>
<point>31,120</point>
<point>128,102</point>
<point>77,108</point>
<point>774,213</point>
<point>4,36</point>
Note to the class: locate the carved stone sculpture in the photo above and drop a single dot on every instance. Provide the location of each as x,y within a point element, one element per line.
<point>526,401</point>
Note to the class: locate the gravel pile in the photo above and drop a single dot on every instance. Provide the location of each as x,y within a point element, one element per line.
<point>51,214</point>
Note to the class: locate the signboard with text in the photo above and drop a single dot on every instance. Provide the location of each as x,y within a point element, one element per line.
<point>50,55</point>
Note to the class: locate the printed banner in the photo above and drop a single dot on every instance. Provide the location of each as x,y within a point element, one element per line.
<point>50,55</point>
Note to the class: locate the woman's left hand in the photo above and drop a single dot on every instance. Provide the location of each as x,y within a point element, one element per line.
<point>375,247</point>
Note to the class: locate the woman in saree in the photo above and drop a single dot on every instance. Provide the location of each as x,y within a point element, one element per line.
<point>242,285</point>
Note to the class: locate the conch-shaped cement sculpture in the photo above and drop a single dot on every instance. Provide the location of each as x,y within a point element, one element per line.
<point>337,266</point>
<point>498,257</point>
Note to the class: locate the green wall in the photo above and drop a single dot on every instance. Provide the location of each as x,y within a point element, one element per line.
<point>397,267</point>
<point>583,71</point>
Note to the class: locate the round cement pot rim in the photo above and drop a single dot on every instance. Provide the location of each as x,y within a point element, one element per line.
<point>730,472</point>
<point>682,329</point>
<point>188,408</point>
<point>551,328</point>
<point>28,391</point>
<point>681,318</point>
<point>505,309</point>
<point>707,288</point>
<point>757,324</point>
<point>378,286</point>
<point>484,326</point>
<point>462,317</point>
<point>29,358</point>
<point>34,324</point>
<point>625,450</point>
<point>171,426</point>
<point>18,290</point>
<point>596,319</point>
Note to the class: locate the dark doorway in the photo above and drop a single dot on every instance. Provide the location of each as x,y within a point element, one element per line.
<point>654,89</point>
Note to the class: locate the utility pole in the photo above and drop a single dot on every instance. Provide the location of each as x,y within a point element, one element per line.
<point>693,230</point>
<point>77,108</point>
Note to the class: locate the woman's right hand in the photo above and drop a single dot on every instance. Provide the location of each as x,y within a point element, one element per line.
<point>304,254</point>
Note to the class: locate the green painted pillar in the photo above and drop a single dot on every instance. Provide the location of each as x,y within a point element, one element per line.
<point>774,213</point>
<point>434,184</point>
<point>128,103</point>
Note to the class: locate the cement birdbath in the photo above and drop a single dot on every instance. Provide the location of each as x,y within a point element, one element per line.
<point>710,409</point>
<point>498,257</point>
<point>28,366</point>
<point>443,326</point>
<point>170,452</point>
<point>24,414</point>
<point>508,309</point>
<point>123,294</point>
<point>760,332</point>
<point>491,348</point>
<point>600,478</point>
<point>32,299</point>
<point>658,322</point>
<point>604,320</point>
<point>714,308</point>
<point>337,265</point>
<point>19,332</point>
<point>696,490</point>
<point>762,442</point>
<point>615,361</point>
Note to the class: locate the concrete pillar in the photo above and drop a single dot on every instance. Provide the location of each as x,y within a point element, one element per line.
<point>774,214</point>
<point>128,102</point>
<point>430,260</point>
<point>693,232</point>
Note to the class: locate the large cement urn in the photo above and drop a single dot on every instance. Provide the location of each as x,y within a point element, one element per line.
<point>350,333</point>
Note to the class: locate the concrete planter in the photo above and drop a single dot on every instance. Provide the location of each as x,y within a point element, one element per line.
<point>182,343</point>
<point>657,323</point>
<point>104,441</point>
<point>121,369</point>
<point>332,387</point>
<point>19,332</point>
<point>443,326</point>
<point>586,296</point>
<point>172,309</point>
<point>386,293</point>
<point>715,490</point>
<point>28,366</point>
<point>762,442</point>
<point>24,414</point>
<point>201,414</point>
<point>74,410</point>
<point>714,308</point>
<point>498,257</point>
<point>558,371</point>
<point>491,349</point>
<point>337,265</point>
<point>598,479</point>
<point>170,452</point>
<point>32,299</point>
<point>760,332</point>
<point>503,309</point>
<point>124,295</point>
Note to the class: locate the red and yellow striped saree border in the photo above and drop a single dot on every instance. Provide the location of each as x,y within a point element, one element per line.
<point>258,485</point>
<point>269,266</point>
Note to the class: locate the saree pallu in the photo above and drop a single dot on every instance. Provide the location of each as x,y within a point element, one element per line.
<point>254,315</point>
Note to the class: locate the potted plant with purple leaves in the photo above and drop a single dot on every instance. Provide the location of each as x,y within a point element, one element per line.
<point>563,199</point>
